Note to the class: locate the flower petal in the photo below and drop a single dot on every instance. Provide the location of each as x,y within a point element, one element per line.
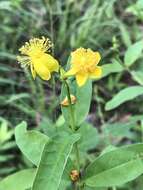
<point>52,63</point>
<point>81,78</point>
<point>42,70</point>
<point>97,57</point>
<point>72,71</point>
<point>96,73</point>
<point>33,71</point>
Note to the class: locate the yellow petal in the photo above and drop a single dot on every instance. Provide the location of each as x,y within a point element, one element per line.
<point>96,73</point>
<point>72,71</point>
<point>33,71</point>
<point>42,70</point>
<point>81,78</point>
<point>97,57</point>
<point>77,56</point>
<point>44,65</point>
<point>52,63</point>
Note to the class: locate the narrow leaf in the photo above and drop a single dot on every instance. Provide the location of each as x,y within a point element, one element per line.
<point>138,76</point>
<point>123,96</point>
<point>133,53</point>
<point>114,67</point>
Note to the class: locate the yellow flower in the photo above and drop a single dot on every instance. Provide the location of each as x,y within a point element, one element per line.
<point>84,65</point>
<point>34,54</point>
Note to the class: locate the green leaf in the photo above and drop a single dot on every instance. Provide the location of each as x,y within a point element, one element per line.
<point>125,34</point>
<point>121,129</point>
<point>16,97</point>
<point>21,180</point>
<point>108,149</point>
<point>89,137</point>
<point>95,188</point>
<point>114,67</point>
<point>138,76</point>
<point>31,143</point>
<point>48,127</point>
<point>124,96</point>
<point>115,167</point>
<point>81,107</point>
<point>66,181</point>
<point>133,53</point>
<point>136,9</point>
<point>5,134</point>
<point>53,162</point>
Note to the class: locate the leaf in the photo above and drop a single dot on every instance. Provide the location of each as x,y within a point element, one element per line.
<point>124,95</point>
<point>21,180</point>
<point>133,53</point>
<point>48,127</point>
<point>121,129</point>
<point>17,97</point>
<point>125,34</point>
<point>95,188</point>
<point>138,76</point>
<point>89,137</point>
<point>108,149</point>
<point>5,134</point>
<point>115,167</point>
<point>5,5</point>
<point>136,9</point>
<point>31,143</point>
<point>81,107</point>
<point>53,162</point>
<point>114,67</point>
<point>65,181</point>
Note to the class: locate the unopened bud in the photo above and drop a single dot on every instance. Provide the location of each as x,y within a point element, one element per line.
<point>74,175</point>
<point>65,102</point>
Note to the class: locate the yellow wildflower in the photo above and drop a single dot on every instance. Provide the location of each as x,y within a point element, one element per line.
<point>65,102</point>
<point>84,65</point>
<point>34,54</point>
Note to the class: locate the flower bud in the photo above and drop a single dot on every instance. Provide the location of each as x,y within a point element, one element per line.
<point>74,175</point>
<point>65,102</point>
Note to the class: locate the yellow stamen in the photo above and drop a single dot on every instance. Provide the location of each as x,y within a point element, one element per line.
<point>35,54</point>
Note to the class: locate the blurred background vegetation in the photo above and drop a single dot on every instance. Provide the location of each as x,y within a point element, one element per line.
<point>109,27</point>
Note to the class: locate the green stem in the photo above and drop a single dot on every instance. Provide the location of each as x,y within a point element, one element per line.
<point>114,188</point>
<point>73,127</point>
<point>41,103</point>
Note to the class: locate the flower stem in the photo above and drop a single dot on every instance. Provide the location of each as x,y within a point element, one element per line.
<point>73,127</point>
